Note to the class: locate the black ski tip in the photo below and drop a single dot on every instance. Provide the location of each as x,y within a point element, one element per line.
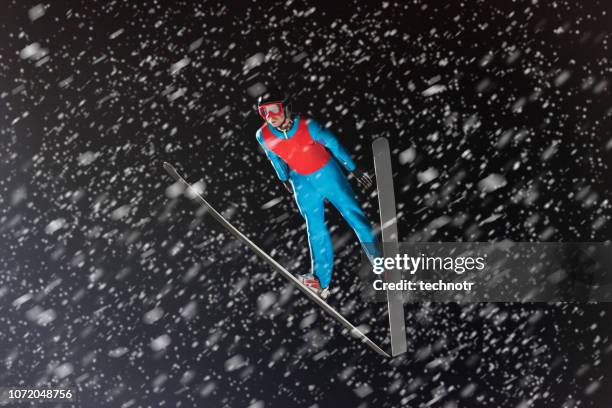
<point>171,171</point>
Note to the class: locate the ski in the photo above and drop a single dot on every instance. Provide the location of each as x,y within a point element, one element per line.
<point>388,224</point>
<point>354,331</point>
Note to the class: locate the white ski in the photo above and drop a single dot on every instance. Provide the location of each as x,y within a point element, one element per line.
<point>354,331</point>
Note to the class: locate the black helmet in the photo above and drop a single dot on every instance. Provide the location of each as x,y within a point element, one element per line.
<point>271,97</point>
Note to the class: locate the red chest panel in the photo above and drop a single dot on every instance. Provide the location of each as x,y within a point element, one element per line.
<point>300,152</point>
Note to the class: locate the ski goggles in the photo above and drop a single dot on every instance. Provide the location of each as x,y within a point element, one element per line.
<point>270,109</point>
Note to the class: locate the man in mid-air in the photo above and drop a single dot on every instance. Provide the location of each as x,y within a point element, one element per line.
<point>305,157</point>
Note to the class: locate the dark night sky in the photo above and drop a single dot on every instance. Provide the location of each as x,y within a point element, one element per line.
<point>113,286</point>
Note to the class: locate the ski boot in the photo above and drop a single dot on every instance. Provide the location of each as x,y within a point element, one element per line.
<point>312,283</point>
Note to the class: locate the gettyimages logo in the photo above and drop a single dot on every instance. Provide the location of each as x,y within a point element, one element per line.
<point>425,273</point>
<point>414,264</point>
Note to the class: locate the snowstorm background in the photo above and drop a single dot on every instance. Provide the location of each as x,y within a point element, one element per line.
<point>117,286</point>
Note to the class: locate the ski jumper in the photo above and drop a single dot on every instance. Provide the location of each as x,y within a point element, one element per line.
<point>308,156</point>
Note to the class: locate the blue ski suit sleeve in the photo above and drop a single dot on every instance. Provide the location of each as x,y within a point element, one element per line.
<point>327,139</point>
<point>281,168</point>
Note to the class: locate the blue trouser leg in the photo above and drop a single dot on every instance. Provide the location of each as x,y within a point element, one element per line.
<point>356,219</point>
<point>334,186</point>
<point>312,207</point>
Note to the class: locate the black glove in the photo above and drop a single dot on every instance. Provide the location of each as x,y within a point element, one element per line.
<point>287,185</point>
<point>363,179</point>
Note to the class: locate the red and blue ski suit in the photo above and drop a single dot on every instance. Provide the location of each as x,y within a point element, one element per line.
<point>307,155</point>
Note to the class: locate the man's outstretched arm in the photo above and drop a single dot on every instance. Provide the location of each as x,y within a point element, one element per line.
<point>327,139</point>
